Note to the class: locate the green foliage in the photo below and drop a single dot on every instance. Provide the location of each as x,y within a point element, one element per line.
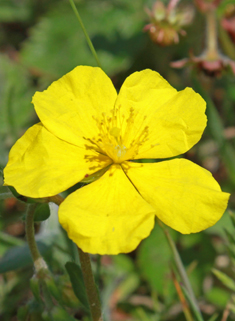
<point>42,213</point>
<point>154,256</point>
<point>15,99</point>
<point>115,36</point>
<point>218,296</point>
<point>76,279</point>
<point>20,257</point>
<point>12,10</point>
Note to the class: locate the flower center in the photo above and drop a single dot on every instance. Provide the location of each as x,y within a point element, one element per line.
<point>116,137</point>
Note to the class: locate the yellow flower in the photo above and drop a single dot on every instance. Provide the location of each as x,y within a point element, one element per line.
<point>86,127</point>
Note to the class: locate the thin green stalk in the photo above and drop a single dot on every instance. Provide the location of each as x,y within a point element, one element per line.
<point>92,294</point>
<point>211,33</point>
<point>38,261</point>
<point>57,199</point>
<point>181,296</point>
<point>180,268</point>
<point>85,33</point>
<point>194,307</point>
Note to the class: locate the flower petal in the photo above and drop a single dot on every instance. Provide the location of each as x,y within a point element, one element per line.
<point>41,165</point>
<point>186,196</point>
<point>68,107</point>
<point>107,216</point>
<point>164,122</point>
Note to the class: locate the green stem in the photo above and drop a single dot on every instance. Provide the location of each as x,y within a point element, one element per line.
<point>180,267</point>
<point>57,199</point>
<point>92,294</point>
<point>85,33</point>
<point>194,307</point>
<point>38,261</point>
<point>211,35</point>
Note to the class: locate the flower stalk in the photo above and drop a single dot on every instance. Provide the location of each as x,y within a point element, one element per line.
<point>211,35</point>
<point>92,294</point>
<point>90,44</point>
<point>180,267</point>
<point>38,261</point>
<point>91,289</point>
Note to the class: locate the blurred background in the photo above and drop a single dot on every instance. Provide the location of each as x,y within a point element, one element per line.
<point>190,43</point>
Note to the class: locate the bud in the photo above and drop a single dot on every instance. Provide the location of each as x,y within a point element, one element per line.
<point>167,22</point>
<point>211,66</point>
<point>212,62</point>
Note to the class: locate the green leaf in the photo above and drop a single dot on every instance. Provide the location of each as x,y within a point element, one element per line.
<point>76,278</point>
<point>218,296</point>
<point>153,257</point>
<point>20,257</point>
<point>42,213</point>
<point>7,241</point>
<point>231,250</point>
<point>35,288</point>
<point>15,97</point>
<point>16,110</point>
<point>230,236</point>
<point>22,313</point>
<point>117,38</point>
<point>225,279</point>
<point>53,288</point>
<point>214,317</point>
<point>59,314</point>
<point>13,11</point>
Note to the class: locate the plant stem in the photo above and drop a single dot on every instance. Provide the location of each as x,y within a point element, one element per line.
<point>57,199</point>
<point>211,35</point>
<point>183,301</point>
<point>85,33</point>
<point>92,294</point>
<point>180,267</point>
<point>38,261</point>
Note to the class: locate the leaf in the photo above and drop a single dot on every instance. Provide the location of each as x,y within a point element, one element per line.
<point>117,38</point>
<point>15,97</point>
<point>214,317</point>
<point>60,314</point>
<point>42,213</point>
<point>12,11</point>
<point>10,240</point>
<point>20,257</point>
<point>230,236</point>
<point>15,100</point>
<point>76,278</point>
<point>225,279</point>
<point>153,257</point>
<point>218,296</point>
